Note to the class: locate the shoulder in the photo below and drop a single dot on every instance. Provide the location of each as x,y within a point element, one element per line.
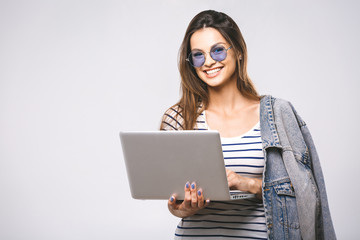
<point>172,119</point>
<point>282,104</point>
<point>277,103</point>
<point>284,109</point>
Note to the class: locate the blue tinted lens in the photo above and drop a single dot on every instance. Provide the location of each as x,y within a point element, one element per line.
<point>197,58</point>
<point>218,53</point>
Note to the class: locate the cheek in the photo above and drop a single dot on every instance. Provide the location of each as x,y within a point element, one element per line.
<point>199,73</point>
<point>231,62</point>
<point>232,67</point>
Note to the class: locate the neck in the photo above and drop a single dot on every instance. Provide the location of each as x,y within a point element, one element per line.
<point>226,98</point>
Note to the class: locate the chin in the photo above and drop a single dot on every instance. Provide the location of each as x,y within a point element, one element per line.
<point>214,84</point>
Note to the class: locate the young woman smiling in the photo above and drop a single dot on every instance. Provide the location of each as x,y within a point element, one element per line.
<point>217,94</point>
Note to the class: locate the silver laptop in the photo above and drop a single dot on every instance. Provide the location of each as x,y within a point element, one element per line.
<point>159,163</point>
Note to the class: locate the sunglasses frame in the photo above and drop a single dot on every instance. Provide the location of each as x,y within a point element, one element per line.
<point>204,53</point>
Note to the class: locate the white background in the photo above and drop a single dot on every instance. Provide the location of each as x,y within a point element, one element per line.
<point>75,73</point>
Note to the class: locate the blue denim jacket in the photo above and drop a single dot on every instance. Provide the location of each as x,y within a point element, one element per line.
<point>294,194</point>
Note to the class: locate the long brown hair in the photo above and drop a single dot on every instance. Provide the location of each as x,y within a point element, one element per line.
<point>194,90</point>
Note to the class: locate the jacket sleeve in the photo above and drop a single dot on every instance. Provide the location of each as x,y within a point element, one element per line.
<point>172,119</point>
<point>326,225</point>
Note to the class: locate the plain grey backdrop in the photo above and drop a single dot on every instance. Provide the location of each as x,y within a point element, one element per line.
<point>75,73</point>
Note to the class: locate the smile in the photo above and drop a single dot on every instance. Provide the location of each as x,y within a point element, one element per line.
<point>212,71</point>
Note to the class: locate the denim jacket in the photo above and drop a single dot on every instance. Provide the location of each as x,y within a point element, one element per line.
<point>293,187</point>
<point>294,194</point>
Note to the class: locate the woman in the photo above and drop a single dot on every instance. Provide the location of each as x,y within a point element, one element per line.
<point>267,148</point>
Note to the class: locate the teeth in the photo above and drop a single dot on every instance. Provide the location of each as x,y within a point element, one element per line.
<point>213,71</point>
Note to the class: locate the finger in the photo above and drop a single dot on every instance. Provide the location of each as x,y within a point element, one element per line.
<point>187,197</point>
<point>172,202</point>
<point>229,173</point>
<point>194,200</point>
<point>231,177</point>
<point>207,202</point>
<point>231,180</point>
<point>200,198</point>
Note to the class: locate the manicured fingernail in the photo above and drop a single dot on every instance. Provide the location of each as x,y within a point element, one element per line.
<point>187,185</point>
<point>171,199</point>
<point>199,193</point>
<point>207,200</point>
<point>193,186</point>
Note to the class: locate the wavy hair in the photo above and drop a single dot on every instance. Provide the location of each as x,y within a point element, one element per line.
<point>195,97</point>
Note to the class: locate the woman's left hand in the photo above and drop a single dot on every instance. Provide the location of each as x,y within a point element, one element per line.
<point>238,182</point>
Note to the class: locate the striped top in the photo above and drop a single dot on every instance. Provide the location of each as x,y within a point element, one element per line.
<point>244,218</point>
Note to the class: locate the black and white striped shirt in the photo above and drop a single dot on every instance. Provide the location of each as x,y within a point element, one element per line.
<point>235,219</point>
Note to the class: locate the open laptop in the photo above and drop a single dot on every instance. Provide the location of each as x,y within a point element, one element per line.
<point>159,163</point>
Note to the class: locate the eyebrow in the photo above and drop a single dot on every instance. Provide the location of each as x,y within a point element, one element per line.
<point>210,47</point>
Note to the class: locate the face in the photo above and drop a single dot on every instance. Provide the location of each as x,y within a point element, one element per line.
<point>213,73</point>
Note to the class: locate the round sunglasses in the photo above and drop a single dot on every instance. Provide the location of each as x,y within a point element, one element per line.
<point>197,57</point>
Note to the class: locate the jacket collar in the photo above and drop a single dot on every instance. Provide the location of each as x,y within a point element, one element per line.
<point>269,135</point>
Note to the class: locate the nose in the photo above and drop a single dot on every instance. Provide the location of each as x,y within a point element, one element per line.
<point>209,61</point>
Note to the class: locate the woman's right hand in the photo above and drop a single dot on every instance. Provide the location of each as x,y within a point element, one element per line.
<point>193,202</point>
